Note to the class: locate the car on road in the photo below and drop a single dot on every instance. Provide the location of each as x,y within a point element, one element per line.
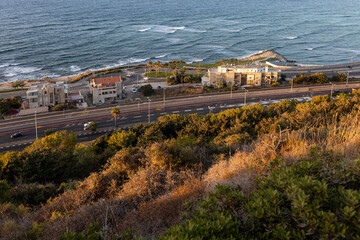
<point>16,135</point>
<point>159,86</point>
<point>87,125</point>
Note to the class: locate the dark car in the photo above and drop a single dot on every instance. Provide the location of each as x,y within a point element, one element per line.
<point>348,66</point>
<point>16,135</point>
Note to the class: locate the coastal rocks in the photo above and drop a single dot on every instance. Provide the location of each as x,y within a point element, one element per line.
<point>264,55</point>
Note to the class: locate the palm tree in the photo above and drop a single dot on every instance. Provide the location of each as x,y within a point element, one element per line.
<point>115,112</point>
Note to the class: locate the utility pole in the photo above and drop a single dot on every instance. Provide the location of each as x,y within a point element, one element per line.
<point>245,97</point>
<point>36,132</point>
<point>149,110</point>
<point>347,80</point>
<point>164,98</point>
<point>332,89</point>
<point>231,91</point>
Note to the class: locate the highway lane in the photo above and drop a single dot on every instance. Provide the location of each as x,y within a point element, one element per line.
<point>53,119</point>
<point>138,112</point>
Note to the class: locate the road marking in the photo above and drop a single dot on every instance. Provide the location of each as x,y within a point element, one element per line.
<point>188,110</point>
<point>1,147</point>
<point>13,145</point>
<point>163,113</point>
<point>175,112</point>
<point>79,124</point>
<point>79,134</point>
<point>7,146</point>
<point>109,120</point>
<point>137,116</point>
<point>199,109</point>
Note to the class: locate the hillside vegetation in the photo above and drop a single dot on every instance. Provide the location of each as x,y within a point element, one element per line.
<point>287,171</point>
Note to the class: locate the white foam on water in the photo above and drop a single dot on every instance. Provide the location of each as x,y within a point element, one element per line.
<point>4,65</point>
<point>292,38</point>
<point>195,60</point>
<point>162,56</point>
<point>249,55</point>
<point>75,68</point>
<point>310,49</point>
<point>138,60</point>
<point>145,29</point>
<point>162,29</point>
<point>231,30</point>
<point>53,75</point>
<point>195,30</point>
<point>12,71</point>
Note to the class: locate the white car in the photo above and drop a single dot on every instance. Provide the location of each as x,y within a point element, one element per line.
<point>86,126</point>
<point>134,90</point>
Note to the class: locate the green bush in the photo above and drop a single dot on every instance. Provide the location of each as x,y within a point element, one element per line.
<point>5,193</point>
<point>318,198</point>
<point>147,90</point>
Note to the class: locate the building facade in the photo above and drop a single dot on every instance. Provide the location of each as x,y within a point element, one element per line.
<point>252,75</point>
<point>47,94</point>
<point>106,89</point>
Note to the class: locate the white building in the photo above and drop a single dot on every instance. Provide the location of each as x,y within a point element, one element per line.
<point>106,89</point>
<point>254,75</point>
<point>47,94</point>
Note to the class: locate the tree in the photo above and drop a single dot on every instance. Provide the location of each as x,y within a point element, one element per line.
<point>147,90</point>
<point>15,85</point>
<point>92,126</point>
<point>115,112</point>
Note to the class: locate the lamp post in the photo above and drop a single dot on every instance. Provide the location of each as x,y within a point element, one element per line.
<point>164,98</point>
<point>210,109</point>
<point>332,89</point>
<point>245,96</point>
<point>36,132</point>
<point>149,110</point>
<point>347,80</point>
<point>231,91</point>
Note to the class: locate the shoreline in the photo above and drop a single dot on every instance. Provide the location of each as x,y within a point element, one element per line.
<point>73,78</point>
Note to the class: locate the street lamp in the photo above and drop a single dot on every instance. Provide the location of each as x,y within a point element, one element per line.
<point>36,132</point>
<point>210,109</point>
<point>332,89</point>
<point>231,90</point>
<point>347,80</point>
<point>164,98</point>
<point>149,110</point>
<point>245,96</point>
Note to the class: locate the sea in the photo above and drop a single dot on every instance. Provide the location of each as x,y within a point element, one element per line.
<point>54,38</point>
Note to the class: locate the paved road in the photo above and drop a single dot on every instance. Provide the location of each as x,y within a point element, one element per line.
<point>139,112</point>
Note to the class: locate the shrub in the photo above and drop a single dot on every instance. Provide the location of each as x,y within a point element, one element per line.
<point>316,199</point>
<point>147,90</point>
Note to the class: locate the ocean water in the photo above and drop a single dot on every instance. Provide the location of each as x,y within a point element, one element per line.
<point>66,37</point>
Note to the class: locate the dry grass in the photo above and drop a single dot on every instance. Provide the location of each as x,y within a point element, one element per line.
<point>342,138</point>
<point>155,216</point>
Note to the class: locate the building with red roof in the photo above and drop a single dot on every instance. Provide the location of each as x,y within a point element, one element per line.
<point>107,89</point>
